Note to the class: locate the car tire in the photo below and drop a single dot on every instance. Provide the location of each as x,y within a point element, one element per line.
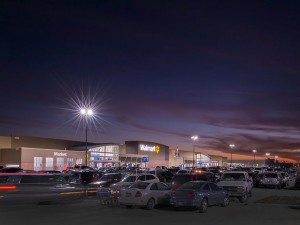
<point>150,204</point>
<point>250,193</point>
<point>128,206</point>
<point>244,198</point>
<point>225,202</point>
<point>203,206</point>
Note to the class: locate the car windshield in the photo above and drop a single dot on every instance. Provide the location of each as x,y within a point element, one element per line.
<point>192,185</point>
<point>140,185</point>
<point>129,179</point>
<point>106,177</point>
<point>270,175</point>
<point>233,177</point>
<point>181,179</point>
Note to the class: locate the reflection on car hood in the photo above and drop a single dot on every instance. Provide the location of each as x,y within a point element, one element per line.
<point>122,184</point>
<point>98,182</point>
<point>231,183</point>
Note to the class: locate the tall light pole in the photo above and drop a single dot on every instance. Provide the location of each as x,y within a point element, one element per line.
<point>275,160</point>
<point>177,156</point>
<point>267,154</point>
<point>194,138</point>
<point>86,112</point>
<point>254,152</point>
<point>231,147</point>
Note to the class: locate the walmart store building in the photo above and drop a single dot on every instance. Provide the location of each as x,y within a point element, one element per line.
<point>34,153</point>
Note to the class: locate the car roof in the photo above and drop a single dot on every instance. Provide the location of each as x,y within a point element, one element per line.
<point>233,171</point>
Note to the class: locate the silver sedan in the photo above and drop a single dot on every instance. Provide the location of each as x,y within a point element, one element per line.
<point>145,194</point>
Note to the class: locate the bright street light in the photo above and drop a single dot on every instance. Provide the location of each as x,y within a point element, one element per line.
<point>194,138</point>
<point>254,152</point>
<point>231,147</point>
<point>86,112</point>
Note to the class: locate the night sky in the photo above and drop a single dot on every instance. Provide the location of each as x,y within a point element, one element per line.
<point>161,71</point>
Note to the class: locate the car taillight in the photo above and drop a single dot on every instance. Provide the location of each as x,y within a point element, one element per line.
<point>192,194</point>
<point>138,194</point>
<point>7,188</point>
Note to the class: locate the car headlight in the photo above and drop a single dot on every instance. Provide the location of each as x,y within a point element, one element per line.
<point>240,188</point>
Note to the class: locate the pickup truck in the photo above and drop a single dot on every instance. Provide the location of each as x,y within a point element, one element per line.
<point>237,183</point>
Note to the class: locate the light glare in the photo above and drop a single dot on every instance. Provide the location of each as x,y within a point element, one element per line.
<point>82,111</point>
<point>90,112</point>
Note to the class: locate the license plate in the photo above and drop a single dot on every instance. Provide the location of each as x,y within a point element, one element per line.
<point>128,194</point>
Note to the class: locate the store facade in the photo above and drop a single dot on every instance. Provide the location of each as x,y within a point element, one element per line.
<point>41,159</point>
<point>144,154</point>
<point>103,155</point>
<point>183,158</point>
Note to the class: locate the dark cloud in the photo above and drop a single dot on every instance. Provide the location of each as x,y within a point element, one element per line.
<point>161,71</point>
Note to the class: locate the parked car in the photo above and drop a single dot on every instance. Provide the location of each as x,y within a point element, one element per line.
<point>238,184</point>
<point>285,179</point>
<point>180,179</point>
<point>200,194</point>
<point>255,178</point>
<point>272,179</point>
<point>165,176</point>
<point>131,178</point>
<point>297,184</point>
<point>145,194</point>
<point>105,181</point>
<point>37,188</point>
<point>11,170</point>
<point>82,176</point>
<point>183,171</point>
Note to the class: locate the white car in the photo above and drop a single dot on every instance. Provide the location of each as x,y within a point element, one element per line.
<point>132,178</point>
<point>237,184</point>
<point>145,194</point>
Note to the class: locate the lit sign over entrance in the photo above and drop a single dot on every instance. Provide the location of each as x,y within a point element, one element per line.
<point>148,148</point>
<point>60,154</point>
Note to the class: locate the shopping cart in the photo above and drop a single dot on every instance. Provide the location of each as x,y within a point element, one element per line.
<point>108,196</point>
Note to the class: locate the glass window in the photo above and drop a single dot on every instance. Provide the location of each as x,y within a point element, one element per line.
<point>150,177</point>
<point>271,175</point>
<point>206,187</point>
<point>129,179</point>
<point>201,177</point>
<point>192,185</point>
<point>140,185</point>
<point>142,178</point>
<point>162,186</point>
<point>214,187</point>
<point>154,187</point>
<point>233,177</point>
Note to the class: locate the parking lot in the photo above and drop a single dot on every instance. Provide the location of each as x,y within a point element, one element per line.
<point>266,206</point>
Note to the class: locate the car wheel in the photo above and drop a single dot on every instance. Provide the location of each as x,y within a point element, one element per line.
<point>250,193</point>
<point>203,206</point>
<point>128,206</point>
<point>244,198</point>
<point>225,201</point>
<point>150,204</point>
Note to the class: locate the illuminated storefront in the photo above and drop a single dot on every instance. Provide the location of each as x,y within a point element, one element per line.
<point>103,156</point>
<point>145,154</point>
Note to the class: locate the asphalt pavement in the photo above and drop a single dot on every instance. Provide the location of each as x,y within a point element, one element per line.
<point>90,211</point>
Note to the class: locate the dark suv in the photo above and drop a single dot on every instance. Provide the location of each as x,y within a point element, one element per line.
<point>180,179</point>
<point>82,177</point>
